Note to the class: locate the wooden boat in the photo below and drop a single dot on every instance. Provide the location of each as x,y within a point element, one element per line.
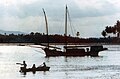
<point>76,51</point>
<point>42,68</point>
<point>89,50</point>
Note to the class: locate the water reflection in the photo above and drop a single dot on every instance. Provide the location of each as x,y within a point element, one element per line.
<point>25,73</point>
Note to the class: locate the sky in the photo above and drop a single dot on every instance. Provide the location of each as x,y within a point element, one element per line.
<point>88,17</point>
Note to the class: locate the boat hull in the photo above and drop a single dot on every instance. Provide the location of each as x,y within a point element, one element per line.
<point>94,51</point>
<point>52,53</point>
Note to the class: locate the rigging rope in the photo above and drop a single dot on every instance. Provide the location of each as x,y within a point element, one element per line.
<point>72,29</point>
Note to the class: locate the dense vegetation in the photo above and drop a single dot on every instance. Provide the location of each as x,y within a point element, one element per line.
<point>38,38</point>
<point>115,29</point>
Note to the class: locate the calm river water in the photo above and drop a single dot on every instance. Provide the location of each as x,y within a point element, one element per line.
<point>107,66</point>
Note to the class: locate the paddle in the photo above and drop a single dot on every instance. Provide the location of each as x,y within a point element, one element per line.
<point>19,63</point>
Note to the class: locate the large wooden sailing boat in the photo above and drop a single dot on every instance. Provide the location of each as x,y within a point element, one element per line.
<point>82,50</point>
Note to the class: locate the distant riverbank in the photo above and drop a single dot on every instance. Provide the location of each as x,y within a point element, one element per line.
<point>26,44</point>
<point>16,44</point>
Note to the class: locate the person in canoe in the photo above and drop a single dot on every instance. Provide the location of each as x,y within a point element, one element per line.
<point>33,67</point>
<point>42,65</point>
<point>24,64</point>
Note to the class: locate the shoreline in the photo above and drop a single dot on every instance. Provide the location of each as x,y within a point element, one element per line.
<point>82,43</point>
<point>26,44</point>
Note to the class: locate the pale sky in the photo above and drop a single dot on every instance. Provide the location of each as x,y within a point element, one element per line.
<point>89,17</point>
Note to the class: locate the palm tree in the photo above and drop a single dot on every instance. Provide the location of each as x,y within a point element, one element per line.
<point>104,33</point>
<point>118,27</point>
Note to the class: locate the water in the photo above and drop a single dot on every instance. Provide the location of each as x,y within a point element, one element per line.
<point>107,66</point>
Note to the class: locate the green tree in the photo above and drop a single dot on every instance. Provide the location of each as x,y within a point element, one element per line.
<point>104,33</point>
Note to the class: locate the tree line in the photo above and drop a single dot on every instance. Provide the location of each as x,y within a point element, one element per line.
<point>38,38</point>
<point>115,29</point>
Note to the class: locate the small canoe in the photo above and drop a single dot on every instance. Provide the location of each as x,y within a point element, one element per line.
<point>22,69</point>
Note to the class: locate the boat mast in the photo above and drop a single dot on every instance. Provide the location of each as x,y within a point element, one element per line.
<point>66,21</point>
<point>66,25</point>
<point>46,28</point>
